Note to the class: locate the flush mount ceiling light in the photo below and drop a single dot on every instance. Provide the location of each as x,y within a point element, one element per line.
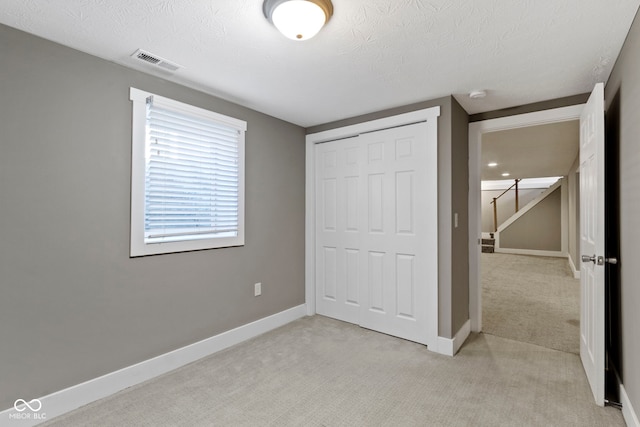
<point>492,164</point>
<point>298,19</point>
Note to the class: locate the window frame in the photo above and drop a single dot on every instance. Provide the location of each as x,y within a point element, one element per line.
<point>138,246</point>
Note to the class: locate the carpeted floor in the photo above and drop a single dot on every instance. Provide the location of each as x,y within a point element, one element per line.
<point>322,372</point>
<point>531,299</point>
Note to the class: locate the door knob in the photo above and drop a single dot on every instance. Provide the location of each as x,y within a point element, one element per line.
<point>599,260</point>
<point>587,258</point>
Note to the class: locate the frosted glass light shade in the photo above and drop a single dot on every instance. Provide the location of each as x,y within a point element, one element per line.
<point>298,19</point>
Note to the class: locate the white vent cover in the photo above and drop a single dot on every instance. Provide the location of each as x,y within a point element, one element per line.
<point>155,60</point>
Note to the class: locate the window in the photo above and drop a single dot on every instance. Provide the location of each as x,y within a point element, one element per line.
<point>187,177</point>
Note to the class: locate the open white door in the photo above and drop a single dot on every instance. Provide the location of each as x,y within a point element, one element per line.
<point>592,293</point>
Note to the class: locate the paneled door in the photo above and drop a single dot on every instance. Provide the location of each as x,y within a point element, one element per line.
<point>376,231</point>
<point>592,293</point>
<point>338,228</point>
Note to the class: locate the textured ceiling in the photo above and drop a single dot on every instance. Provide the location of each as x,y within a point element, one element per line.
<point>531,152</point>
<point>372,55</point>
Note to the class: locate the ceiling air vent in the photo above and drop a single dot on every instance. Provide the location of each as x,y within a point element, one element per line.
<point>155,60</point>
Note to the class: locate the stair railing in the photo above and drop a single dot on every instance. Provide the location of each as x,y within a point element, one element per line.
<point>495,204</point>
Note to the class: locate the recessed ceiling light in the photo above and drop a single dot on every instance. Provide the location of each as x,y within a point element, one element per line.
<point>506,174</point>
<point>492,164</point>
<point>476,94</point>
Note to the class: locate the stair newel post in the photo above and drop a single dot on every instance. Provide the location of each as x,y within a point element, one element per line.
<point>517,204</point>
<point>495,214</point>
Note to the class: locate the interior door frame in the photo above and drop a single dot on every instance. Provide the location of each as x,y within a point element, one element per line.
<point>476,130</point>
<point>417,116</point>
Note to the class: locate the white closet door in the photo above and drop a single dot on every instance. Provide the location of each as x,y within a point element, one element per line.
<point>338,193</point>
<point>399,240</point>
<point>376,231</point>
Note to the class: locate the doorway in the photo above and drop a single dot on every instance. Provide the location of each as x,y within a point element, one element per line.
<point>476,132</point>
<point>529,291</point>
<point>592,236</point>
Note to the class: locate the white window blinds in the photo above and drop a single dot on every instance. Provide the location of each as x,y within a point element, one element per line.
<point>193,182</point>
<point>191,176</point>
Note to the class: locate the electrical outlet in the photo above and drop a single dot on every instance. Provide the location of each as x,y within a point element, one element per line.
<point>257,289</point>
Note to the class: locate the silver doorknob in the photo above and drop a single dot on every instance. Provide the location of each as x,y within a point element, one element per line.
<point>611,260</point>
<point>587,258</point>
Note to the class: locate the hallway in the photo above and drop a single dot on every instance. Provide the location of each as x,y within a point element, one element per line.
<point>531,299</point>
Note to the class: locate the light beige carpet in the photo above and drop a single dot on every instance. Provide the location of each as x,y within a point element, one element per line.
<point>531,299</point>
<point>322,372</point>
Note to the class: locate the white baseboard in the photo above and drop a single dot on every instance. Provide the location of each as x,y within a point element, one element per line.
<point>71,398</point>
<point>630,416</point>
<point>450,346</point>
<point>533,252</point>
<point>576,273</point>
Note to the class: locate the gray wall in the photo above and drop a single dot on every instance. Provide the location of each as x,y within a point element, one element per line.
<point>74,306</point>
<point>453,286</point>
<point>506,204</point>
<point>538,229</point>
<point>623,88</point>
<point>460,205</point>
